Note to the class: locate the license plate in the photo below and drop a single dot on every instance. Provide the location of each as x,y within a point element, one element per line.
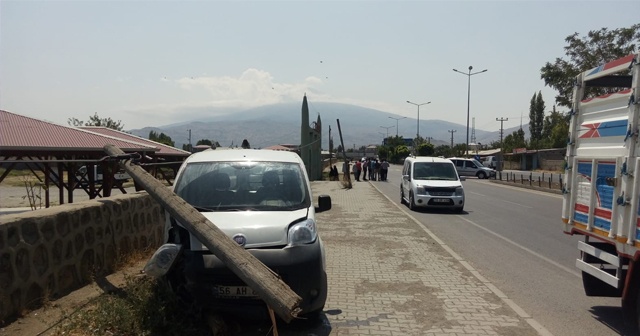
<point>441,200</point>
<point>231,292</point>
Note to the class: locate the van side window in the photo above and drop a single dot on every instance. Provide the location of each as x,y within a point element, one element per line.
<point>459,163</point>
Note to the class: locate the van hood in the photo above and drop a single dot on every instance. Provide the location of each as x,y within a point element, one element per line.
<point>439,183</point>
<point>260,228</point>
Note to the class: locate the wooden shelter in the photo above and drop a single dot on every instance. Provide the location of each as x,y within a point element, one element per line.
<point>58,151</point>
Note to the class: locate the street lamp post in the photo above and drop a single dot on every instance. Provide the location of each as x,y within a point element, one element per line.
<point>396,119</point>
<point>418,105</point>
<point>466,145</point>
<point>382,135</point>
<point>387,128</point>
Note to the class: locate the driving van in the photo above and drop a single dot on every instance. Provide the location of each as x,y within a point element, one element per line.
<point>431,182</point>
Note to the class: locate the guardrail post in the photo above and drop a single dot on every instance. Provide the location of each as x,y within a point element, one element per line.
<point>530,178</point>
<point>550,182</point>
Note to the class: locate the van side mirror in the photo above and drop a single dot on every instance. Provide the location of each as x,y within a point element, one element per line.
<point>324,203</point>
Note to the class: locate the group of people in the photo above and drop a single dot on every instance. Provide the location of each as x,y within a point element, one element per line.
<point>375,169</point>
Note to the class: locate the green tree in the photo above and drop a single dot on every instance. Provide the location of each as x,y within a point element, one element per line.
<point>584,53</point>
<point>442,150</point>
<point>402,152</point>
<point>514,140</point>
<point>536,119</point>
<point>555,130</point>
<point>425,149</point>
<point>95,120</point>
<point>245,144</point>
<point>161,138</point>
<point>458,150</point>
<point>212,143</point>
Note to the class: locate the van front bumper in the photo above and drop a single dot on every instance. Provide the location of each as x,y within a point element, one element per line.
<point>300,267</point>
<point>429,201</point>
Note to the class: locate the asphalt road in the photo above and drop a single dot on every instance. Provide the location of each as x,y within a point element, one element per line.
<point>514,238</point>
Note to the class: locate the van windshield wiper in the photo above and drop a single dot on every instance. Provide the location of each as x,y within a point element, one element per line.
<point>201,209</point>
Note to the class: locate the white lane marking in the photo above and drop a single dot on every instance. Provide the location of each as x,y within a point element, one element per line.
<point>519,311</point>
<point>522,205</point>
<point>536,254</point>
<point>475,193</point>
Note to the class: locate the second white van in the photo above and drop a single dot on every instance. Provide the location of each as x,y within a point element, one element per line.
<point>431,182</point>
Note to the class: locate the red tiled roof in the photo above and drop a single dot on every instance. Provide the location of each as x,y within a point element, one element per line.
<point>23,133</point>
<point>163,149</point>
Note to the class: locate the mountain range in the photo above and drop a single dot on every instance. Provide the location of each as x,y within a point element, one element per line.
<point>270,125</point>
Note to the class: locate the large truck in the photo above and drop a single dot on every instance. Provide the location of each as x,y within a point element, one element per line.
<point>602,181</point>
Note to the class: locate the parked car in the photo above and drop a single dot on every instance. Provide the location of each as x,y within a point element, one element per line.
<point>431,182</point>
<point>472,167</point>
<point>262,200</point>
<point>490,161</point>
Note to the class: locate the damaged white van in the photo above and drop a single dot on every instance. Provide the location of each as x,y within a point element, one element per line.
<point>262,200</point>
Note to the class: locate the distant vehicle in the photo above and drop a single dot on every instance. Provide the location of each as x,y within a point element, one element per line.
<point>431,182</point>
<point>602,182</point>
<point>82,175</point>
<point>472,167</point>
<point>490,161</point>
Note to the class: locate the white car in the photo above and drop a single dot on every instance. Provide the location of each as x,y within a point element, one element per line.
<point>431,182</point>
<point>262,200</point>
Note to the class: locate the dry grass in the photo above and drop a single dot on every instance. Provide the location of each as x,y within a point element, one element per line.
<point>145,306</point>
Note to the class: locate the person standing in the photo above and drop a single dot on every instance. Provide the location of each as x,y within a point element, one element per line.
<point>384,169</point>
<point>365,167</point>
<point>345,171</point>
<point>372,167</point>
<point>357,168</point>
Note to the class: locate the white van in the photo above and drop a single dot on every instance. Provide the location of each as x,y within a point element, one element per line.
<point>262,200</point>
<point>431,182</point>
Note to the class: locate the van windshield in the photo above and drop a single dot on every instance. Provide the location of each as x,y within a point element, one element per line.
<point>434,171</point>
<point>237,186</point>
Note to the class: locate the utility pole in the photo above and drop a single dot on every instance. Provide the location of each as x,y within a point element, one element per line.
<point>190,146</point>
<point>452,131</point>
<point>502,120</point>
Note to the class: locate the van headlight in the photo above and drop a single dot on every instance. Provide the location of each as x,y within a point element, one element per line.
<point>459,191</point>
<point>420,190</point>
<point>303,233</point>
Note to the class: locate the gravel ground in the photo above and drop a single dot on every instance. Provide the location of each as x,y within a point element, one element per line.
<point>17,197</point>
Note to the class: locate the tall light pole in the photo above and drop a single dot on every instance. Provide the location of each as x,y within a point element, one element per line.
<point>418,105</point>
<point>382,135</point>
<point>387,128</point>
<point>396,119</point>
<point>466,144</point>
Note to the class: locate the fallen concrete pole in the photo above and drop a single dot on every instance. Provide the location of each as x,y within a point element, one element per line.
<point>277,294</point>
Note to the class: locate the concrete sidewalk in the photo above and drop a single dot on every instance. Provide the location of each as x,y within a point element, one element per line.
<point>389,275</point>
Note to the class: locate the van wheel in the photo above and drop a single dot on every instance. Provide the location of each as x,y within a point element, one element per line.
<point>401,195</point>
<point>412,204</point>
<point>459,209</point>
<point>482,175</point>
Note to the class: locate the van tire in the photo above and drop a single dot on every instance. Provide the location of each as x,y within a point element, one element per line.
<point>482,175</point>
<point>459,209</point>
<point>402,195</point>
<point>412,203</point>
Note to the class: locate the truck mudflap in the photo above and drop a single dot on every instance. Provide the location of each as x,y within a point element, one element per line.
<point>603,272</point>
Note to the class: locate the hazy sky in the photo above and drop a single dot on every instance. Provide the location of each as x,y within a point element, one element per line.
<point>153,63</point>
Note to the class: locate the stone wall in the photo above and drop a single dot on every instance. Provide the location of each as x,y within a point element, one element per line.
<point>47,253</point>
